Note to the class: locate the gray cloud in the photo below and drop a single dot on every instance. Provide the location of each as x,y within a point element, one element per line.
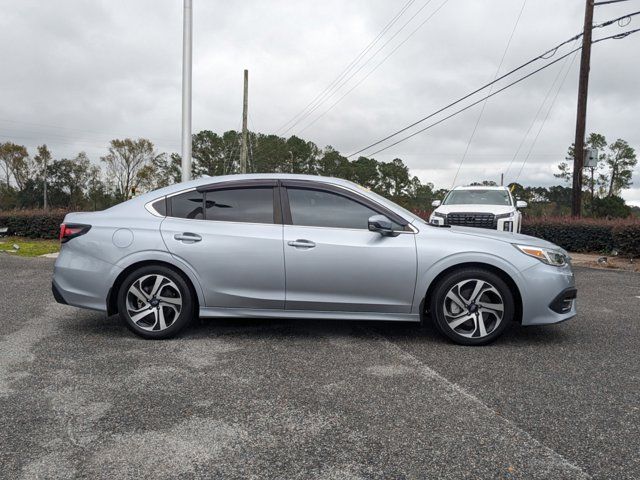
<point>76,74</point>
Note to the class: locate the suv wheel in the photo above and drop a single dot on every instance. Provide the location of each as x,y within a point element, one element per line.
<point>472,306</point>
<point>155,302</point>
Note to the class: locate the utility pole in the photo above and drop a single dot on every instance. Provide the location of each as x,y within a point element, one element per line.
<point>245,134</point>
<point>581,119</point>
<point>187,41</point>
<point>501,179</point>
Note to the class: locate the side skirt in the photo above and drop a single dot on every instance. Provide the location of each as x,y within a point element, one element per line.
<point>211,312</point>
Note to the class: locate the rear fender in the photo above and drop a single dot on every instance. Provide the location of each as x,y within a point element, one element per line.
<point>159,256</point>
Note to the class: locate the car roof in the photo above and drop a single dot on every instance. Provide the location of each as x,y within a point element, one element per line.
<point>207,180</point>
<point>480,187</point>
<point>179,187</point>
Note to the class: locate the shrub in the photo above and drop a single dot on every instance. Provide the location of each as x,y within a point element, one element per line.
<point>33,223</point>
<point>627,238</point>
<point>587,235</point>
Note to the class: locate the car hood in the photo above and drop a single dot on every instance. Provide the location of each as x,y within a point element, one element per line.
<point>501,236</point>
<point>475,208</point>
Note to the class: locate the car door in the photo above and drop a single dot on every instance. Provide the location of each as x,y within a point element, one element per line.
<point>231,236</point>
<point>333,262</point>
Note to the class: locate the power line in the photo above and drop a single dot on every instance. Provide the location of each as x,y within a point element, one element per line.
<point>553,101</point>
<point>354,62</point>
<point>348,79</point>
<point>545,55</point>
<point>616,37</point>
<point>535,117</point>
<point>475,103</point>
<point>374,68</point>
<point>475,127</point>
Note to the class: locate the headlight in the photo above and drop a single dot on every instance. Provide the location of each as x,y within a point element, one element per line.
<point>545,255</point>
<point>441,215</point>
<point>505,215</point>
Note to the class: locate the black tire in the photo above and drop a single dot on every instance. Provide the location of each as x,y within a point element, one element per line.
<point>178,321</point>
<point>437,305</point>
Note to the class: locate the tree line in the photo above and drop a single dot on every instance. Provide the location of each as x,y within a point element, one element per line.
<point>133,166</point>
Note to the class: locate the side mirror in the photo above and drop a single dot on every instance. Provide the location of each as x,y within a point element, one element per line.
<point>521,204</point>
<point>436,203</point>
<point>381,224</point>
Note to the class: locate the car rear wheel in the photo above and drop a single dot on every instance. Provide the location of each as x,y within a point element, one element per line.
<point>155,302</point>
<point>472,306</point>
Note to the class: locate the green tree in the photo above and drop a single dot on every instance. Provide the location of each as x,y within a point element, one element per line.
<point>394,179</point>
<point>614,171</point>
<point>610,206</point>
<point>620,161</point>
<point>332,164</point>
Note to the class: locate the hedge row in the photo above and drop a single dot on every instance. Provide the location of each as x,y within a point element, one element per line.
<point>33,223</point>
<point>587,235</point>
<point>583,235</point>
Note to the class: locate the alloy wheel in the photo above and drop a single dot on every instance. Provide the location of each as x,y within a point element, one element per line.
<point>153,302</point>
<point>473,308</point>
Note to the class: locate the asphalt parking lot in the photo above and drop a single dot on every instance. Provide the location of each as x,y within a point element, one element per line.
<point>80,396</point>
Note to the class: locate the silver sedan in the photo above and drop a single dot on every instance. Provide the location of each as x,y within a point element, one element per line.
<point>294,246</point>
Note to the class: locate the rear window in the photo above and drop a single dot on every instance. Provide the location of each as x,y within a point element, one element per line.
<point>248,205</point>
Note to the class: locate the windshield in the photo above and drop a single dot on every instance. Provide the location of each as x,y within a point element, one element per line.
<point>477,197</point>
<point>388,203</point>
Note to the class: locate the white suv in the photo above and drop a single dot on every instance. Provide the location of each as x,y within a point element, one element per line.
<point>482,207</point>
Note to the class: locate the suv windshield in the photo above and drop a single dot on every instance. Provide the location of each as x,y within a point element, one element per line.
<point>477,197</point>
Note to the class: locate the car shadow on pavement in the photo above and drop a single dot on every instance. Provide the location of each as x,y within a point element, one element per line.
<point>96,325</point>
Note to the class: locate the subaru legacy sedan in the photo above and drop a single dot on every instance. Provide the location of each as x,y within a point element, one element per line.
<point>297,246</point>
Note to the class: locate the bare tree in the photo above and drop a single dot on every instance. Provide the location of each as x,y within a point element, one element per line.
<point>13,160</point>
<point>124,162</point>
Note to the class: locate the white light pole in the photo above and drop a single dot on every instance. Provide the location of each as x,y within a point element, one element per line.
<point>187,40</point>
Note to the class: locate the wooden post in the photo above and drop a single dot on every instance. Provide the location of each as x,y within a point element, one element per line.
<point>581,118</point>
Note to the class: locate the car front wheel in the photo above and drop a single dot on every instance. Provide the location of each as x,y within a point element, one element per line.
<point>155,302</point>
<point>472,306</point>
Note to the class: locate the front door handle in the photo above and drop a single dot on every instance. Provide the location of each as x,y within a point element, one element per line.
<point>187,237</point>
<point>301,243</point>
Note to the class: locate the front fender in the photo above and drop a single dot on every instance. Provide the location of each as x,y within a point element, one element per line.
<point>427,275</point>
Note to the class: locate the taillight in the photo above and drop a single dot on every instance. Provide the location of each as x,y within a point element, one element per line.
<point>72,230</point>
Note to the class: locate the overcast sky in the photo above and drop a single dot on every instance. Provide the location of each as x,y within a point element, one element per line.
<point>75,74</point>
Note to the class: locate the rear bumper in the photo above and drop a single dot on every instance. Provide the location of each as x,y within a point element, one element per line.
<point>82,281</point>
<point>57,295</point>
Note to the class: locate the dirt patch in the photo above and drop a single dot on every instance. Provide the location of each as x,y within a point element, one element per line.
<point>595,260</point>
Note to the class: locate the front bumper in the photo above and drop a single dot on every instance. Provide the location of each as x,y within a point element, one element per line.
<point>548,294</point>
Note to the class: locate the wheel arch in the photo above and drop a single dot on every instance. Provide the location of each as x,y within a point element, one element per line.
<point>112,295</point>
<point>508,279</point>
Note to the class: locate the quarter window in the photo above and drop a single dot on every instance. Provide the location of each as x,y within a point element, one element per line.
<point>318,208</point>
<point>249,205</point>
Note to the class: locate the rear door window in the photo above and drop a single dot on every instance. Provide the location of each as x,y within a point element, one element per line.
<point>247,205</point>
<point>188,205</point>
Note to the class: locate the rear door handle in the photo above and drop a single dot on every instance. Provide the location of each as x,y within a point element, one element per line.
<point>301,243</point>
<point>187,237</point>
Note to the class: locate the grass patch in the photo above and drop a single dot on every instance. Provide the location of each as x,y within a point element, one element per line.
<point>29,247</point>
